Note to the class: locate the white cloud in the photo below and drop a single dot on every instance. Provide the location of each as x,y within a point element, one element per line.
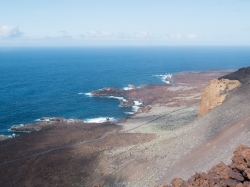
<point>119,35</point>
<point>181,37</point>
<point>124,35</point>
<point>7,31</point>
<point>143,35</point>
<point>192,36</point>
<point>64,34</point>
<point>98,34</point>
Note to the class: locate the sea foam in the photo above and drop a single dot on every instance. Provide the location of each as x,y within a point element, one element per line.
<point>113,97</point>
<point>88,94</point>
<point>129,112</point>
<point>164,77</point>
<point>127,88</point>
<point>100,120</point>
<point>40,120</point>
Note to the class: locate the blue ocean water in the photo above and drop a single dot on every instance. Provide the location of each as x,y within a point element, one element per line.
<point>48,81</point>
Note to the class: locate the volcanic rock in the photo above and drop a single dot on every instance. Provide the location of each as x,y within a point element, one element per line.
<point>53,119</point>
<point>25,128</point>
<point>215,93</point>
<point>242,75</point>
<point>109,92</point>
<point>128,103</point>
<point>145,109</point>
<point>235,175</point>
<point>131,86</point>
<point>3,137</point>
<point>177,182</point>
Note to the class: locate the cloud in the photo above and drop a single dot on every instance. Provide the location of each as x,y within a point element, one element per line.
<point>119,35</point>
<point>192,36</point>
<point>136,35</point>
<point>98,34</point>
<point>64,34</point>
<point>7,31</point>
<point>123,35</point>
<point>143,35</point>
<point>179,36</point>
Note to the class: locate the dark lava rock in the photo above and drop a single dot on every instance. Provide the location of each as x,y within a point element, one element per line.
<point>3,137</point>
<point>131,86</point>
<point>109,92</point>
<point>25,128</point>
<point>53,119</point>
<point>128,103</point>
<point>242,75</point>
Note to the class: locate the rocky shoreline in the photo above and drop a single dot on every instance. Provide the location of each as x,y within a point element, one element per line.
<point>141,98</point>
<point>163,140</point>
<point>43,121</point>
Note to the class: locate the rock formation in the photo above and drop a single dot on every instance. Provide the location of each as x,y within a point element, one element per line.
<point>128,103</point>
<point>217,90</point>
<point>235,175</point>
<point>215,93</point>
<point>131,87</point>
<point>242,75</point>
<point>25,128</point>
<point>109,92</point>
<point>3,137</point>
<point>39,125</point>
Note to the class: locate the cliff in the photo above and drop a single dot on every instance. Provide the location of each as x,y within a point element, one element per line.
<point>217,90</point>
<point>215,93</point>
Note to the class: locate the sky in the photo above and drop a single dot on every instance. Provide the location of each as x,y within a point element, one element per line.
<point>124,22</point>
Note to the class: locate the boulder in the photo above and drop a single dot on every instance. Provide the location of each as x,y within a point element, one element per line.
<point>177,182</point>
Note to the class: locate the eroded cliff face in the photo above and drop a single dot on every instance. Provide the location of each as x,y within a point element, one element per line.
<point>215,93</point>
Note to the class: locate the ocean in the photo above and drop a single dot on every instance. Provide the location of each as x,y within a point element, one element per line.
<point>55,81</point>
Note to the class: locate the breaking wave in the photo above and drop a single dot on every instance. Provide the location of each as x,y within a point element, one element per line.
<point>165,78</point>
<point>100,120</point>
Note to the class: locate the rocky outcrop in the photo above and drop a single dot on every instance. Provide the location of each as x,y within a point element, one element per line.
<point>131,87</point>
<point>37,126</point>
<point>127,103</point>
<point>235,175</point>
<point>3,137</point>
<point>242,75</point>
<point>215,93</point>
<point>25,128</point>
<point>53,119</point>
<point>145,109</point>
<point>108,92</point>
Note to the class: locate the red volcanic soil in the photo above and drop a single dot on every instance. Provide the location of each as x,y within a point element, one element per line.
<point>69,166</point>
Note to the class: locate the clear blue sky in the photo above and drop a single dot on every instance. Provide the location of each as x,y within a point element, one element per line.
<point>127,22</point>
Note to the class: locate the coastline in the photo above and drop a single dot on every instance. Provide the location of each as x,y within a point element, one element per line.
<point>147,143</point>
<point>176,84</point>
